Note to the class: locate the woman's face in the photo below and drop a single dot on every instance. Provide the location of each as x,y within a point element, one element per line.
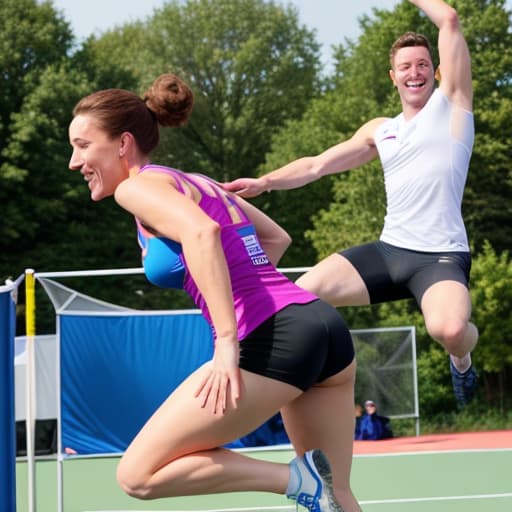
<point>96,156</point>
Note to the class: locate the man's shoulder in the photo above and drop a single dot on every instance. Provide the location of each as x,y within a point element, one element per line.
<point>379,121</point>
<point>386,128</point>
<point>370,129</point>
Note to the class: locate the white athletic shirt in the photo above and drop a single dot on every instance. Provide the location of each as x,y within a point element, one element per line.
<point>425,162</point>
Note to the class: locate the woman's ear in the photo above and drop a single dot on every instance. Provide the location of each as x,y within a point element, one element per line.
<point>125,142</point>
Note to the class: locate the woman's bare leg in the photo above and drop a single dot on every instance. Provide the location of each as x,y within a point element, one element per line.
<point>176,453</point>
<point>323,417</point>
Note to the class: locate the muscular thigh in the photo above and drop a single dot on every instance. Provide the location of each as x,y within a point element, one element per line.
<point>446,300</point>
<point>181,426</point>
<point>336,281</point>
<point>296,348</point>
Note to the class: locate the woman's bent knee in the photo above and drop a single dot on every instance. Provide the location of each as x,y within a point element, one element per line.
<point>132,483</point>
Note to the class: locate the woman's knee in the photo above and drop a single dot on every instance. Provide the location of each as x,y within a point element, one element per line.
<point>133,482</point>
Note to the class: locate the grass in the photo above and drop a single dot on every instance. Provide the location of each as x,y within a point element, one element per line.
<point>475,418</point>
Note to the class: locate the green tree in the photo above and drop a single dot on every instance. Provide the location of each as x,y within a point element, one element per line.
<point>33,36</point>
<point>491,293</point>
<point>251,65</point>
<point>48,205</point>
<point>293,209</point>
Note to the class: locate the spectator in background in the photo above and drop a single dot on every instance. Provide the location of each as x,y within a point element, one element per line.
<point>373,426</point>
<point>359,416</point>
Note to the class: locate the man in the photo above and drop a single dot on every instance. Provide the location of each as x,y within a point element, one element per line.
<point>425,153</point>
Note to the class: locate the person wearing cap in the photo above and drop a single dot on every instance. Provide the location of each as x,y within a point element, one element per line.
<point>373,426</point>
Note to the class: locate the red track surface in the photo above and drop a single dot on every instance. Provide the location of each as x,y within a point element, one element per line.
<point>437,442</point>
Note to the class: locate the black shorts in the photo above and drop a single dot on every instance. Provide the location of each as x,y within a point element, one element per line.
<point>392,273</point>
<point>301,345</point>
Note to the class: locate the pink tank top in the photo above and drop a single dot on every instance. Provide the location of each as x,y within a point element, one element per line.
<point>259,290</point>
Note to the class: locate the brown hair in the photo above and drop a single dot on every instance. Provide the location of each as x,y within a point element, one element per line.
<point>409,39</point>
<point>168,102</point>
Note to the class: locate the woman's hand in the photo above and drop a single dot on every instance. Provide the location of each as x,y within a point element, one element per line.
<point>222,379</point>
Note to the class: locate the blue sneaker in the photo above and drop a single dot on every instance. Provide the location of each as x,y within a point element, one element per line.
<point>464,384</point>
<point>315,483</point>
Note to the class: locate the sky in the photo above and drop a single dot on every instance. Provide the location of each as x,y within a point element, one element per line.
<point>333,20</point>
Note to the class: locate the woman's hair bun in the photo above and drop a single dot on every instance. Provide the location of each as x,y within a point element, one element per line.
<point>170,99</point>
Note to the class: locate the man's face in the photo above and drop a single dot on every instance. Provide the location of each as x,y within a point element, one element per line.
<point>413,74</point>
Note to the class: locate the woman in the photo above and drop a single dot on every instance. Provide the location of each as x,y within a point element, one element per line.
<point>277,347</point>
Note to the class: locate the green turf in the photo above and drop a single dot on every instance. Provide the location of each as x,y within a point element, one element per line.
<point>470,481</point>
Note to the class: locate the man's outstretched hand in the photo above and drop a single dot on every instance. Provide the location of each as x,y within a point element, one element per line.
<point>245,187</point>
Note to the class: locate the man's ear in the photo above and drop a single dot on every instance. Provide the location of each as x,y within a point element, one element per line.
<point>392,76</point>
<point>437,74</point>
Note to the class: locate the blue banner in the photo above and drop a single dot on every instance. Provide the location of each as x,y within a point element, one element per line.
<point>116,370</point>
<point>7,420</point>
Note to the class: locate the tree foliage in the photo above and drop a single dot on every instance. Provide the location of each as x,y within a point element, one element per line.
<point>35,41</point>
<point>32,36</point>
<point>251,65</point>
<point>491,293</point>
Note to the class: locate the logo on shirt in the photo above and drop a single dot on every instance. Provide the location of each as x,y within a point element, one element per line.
<point>388,134</point>
<point>252,246</point>
<point>254,250</point>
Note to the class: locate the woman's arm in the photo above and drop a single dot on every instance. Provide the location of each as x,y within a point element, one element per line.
<point>273,238</point>
<point>154,199</point>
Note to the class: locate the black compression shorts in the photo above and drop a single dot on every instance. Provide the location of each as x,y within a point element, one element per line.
<point>301,345</point>
<point>392,273</point>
